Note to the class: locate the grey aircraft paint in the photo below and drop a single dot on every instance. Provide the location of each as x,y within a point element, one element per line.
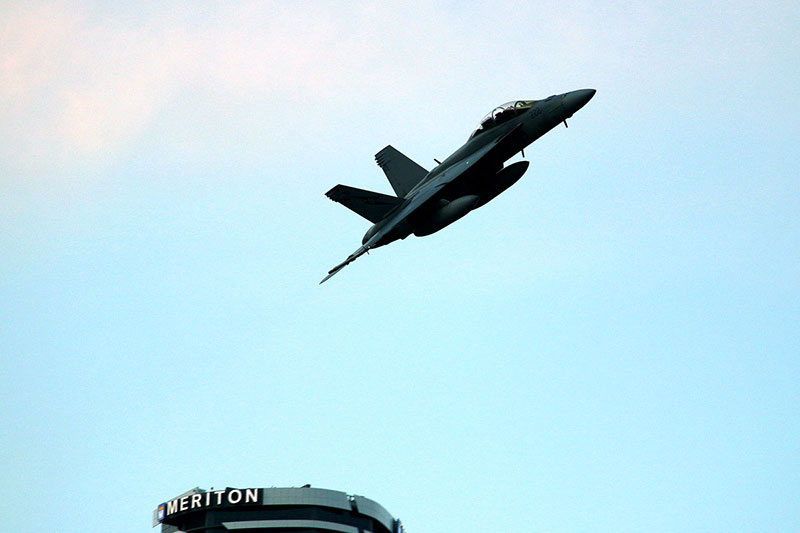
<point>469,178</point>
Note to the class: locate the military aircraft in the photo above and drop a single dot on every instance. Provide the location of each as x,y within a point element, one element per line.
<point>473,175</point>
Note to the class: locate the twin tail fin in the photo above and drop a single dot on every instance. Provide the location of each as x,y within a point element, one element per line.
<point>402,172</point>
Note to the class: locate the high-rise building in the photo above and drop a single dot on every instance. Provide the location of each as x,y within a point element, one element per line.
<point>273,510</point>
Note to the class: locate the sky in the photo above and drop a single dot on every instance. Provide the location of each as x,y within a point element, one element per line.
<point>611,345</point>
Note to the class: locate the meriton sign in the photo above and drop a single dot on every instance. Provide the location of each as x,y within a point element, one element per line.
<point>217,498</point>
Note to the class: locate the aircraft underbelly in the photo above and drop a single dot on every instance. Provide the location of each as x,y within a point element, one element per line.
<point>446,213</point>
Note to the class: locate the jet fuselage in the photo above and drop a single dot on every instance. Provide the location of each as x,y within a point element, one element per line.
<point>472,176</point>
<point>480,186</point>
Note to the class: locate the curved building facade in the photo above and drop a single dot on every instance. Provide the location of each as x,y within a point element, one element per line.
<point>273,510</point>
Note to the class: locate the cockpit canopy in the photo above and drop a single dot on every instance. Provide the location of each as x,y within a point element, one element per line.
<point>502,113</point>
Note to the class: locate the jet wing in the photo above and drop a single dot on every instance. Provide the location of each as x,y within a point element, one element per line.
<point>350,258</point>
<point>418,198</point>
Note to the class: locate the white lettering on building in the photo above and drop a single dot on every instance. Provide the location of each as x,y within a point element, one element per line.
<point>223,497</point>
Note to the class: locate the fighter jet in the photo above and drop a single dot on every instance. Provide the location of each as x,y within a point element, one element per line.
<point>472,176</point>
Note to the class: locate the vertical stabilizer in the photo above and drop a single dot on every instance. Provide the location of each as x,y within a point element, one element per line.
<point>401,171</point>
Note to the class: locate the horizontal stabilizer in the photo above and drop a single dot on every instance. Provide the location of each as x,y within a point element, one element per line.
<point>401,171</point>
<point>371,205</point>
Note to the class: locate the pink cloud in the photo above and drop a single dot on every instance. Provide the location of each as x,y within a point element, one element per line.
<point>82,87</point>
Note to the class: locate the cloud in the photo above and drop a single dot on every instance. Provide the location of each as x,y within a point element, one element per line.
<point>81,85</point>
<point>78,90</point>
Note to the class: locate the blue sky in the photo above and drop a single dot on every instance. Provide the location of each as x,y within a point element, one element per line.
<point>612,345</point>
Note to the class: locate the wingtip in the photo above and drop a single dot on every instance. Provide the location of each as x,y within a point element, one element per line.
<point>352,257</point>
<point>332,272</point>
<point>332,193</point>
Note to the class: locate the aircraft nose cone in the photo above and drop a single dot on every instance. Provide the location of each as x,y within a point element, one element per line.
<point>575,100</point>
